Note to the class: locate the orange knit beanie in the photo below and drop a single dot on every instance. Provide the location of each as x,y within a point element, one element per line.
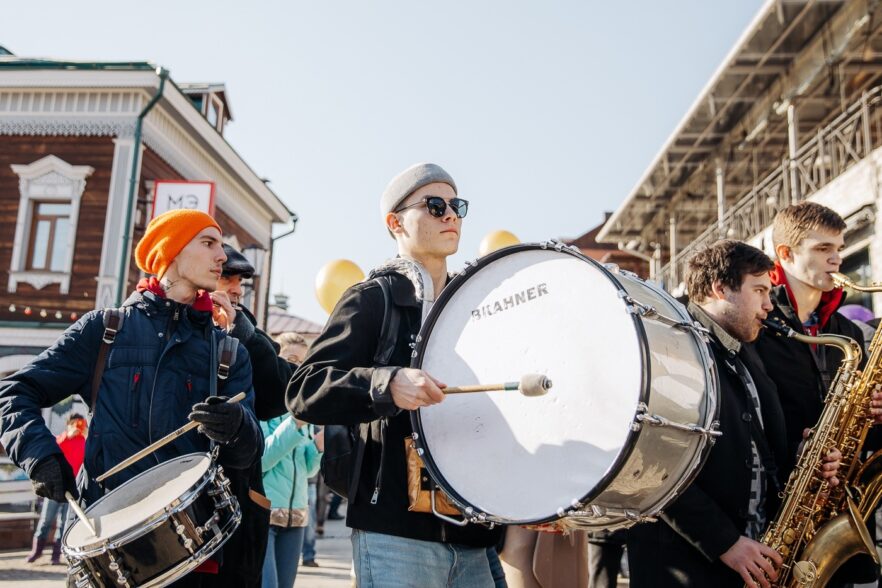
<point>167,235</point>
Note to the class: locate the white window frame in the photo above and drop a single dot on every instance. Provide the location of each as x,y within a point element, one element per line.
<point>214,100</point>
<point>49,179</point>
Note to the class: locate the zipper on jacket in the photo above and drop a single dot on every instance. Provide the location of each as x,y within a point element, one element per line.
<point>379,482</point>
<point>136,385</point>
<point>293,486</point>
<point>171,327</point>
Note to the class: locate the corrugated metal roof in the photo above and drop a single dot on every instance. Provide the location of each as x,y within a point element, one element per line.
<point>278,321</point>
<point>727,114</point>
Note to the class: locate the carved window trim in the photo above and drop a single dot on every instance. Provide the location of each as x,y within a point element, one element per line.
<point>49,179</point>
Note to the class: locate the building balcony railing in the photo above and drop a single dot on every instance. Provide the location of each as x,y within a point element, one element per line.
<point>835,148</point>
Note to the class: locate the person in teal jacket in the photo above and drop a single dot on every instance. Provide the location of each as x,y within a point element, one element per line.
<point>291,455</point>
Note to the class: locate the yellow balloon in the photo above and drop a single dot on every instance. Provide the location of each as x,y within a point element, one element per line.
<point>333,279</point>
<point>497,240</point>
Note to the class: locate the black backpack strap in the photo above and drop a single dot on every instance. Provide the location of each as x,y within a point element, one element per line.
<point>391,321</point>
<point>113,322</point>
<point>226,353</point>
<point>385,348</point>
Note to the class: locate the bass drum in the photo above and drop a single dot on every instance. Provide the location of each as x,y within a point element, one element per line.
<point>627,423</point>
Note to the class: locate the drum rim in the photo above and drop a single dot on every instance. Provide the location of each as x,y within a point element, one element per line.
<point>150,522</point>
<point>419,352</point>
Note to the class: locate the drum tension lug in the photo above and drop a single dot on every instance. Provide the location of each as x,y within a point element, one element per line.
<point>655,420</point>
<point>122,577</point>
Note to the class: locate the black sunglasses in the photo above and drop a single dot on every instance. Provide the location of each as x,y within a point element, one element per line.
<point>437,206</point>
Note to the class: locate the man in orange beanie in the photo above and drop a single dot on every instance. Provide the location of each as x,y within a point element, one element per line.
<point>160,371</point>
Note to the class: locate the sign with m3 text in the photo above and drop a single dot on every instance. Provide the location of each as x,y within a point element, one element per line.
<point>175,194</point>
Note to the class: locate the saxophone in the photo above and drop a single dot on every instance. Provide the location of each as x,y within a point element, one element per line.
<point>819,527</point>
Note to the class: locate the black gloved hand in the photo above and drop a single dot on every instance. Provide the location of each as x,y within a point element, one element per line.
<point>52,476</point>
<point>218,419</point>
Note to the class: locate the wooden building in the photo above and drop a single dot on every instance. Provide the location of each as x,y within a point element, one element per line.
<point>81,145</point>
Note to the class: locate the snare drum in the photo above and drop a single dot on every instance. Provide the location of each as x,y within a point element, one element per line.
<point>156,527</point>
<point>627,423</point>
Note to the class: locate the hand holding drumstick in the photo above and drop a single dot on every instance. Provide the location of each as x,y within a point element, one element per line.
<point>413,388</point>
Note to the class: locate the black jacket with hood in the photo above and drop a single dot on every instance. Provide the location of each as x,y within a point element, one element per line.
<point>338,383</point>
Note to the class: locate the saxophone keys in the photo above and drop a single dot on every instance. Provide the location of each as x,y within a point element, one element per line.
<point>789,536</point>
<point>805,573</point>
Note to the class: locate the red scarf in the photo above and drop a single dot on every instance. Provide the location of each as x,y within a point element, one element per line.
<point>830,301</point>
<point>203,300</point>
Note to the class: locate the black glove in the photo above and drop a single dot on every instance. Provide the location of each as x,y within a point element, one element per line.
<point>218,419</point>
<point>53,476</point>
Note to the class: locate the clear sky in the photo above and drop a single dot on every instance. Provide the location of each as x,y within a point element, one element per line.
<point>545,113</point>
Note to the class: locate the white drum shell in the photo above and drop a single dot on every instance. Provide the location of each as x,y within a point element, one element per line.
<point>522,460</point>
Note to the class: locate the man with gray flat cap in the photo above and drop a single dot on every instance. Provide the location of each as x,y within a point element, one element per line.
<point>355,375</point>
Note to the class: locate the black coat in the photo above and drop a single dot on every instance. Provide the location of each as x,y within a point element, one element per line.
<point>271,373</point>
<point>338,384</point>
<point>244,552</point>
<point>684,546</point>
<point>801,379</point>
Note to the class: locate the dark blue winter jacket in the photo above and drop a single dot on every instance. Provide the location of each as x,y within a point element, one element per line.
<point>157,369</point>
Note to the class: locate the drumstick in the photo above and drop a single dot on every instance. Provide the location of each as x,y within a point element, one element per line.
<point>80,513</point>
<point>529,385</point>
<point>157,444</point>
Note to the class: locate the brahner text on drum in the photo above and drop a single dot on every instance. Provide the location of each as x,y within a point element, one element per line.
<point>516,299</point>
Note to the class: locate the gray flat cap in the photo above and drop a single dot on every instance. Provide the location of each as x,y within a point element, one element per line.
<point>411,180</point>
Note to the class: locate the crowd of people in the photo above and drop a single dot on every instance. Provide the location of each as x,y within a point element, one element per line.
<point>160,372</point>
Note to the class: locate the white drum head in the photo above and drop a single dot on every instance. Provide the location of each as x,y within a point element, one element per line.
<point>139,499</point>
<point>520,459</point>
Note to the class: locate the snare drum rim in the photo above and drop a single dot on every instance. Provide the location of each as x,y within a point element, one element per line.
<point>149,523</point>
<point>420,349</point>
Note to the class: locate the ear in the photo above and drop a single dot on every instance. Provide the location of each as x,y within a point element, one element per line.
<point>718,290</point>
<point>393,223</point>
<point>783,252</point>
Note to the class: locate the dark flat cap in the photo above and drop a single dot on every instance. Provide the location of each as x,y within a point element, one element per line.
<point>236,264</point>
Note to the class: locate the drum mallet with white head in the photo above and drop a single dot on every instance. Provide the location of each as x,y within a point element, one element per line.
<point>157,444</point>
<point>529,385</point>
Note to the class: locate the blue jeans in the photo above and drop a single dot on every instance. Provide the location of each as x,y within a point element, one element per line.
<point>50,512</point>
<point>280,563</point>
<point>309,537</point>
<point>386,561</point>
<point>496,570</point>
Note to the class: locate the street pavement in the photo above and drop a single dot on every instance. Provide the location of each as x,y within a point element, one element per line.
<point>333,554</point>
